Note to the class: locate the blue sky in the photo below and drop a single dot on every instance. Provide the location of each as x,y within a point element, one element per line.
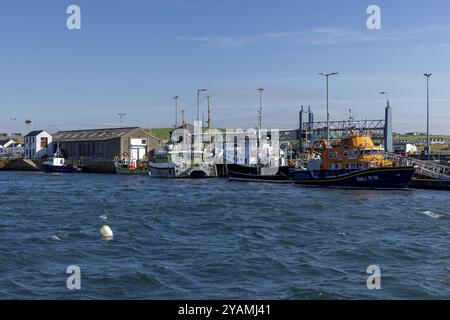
<point>133,56</point>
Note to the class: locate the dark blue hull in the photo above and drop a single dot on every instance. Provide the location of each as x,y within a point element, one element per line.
<point>375,178</point>
<point>62,169</point>
<point>247,173</point>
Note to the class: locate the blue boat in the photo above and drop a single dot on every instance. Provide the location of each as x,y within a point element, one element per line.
<point>373,178</point>
<point>58,164</point>
<point>281,174</point>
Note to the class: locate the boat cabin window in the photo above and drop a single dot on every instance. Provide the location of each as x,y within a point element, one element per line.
<point>345,153</point>
<point>335,166</point>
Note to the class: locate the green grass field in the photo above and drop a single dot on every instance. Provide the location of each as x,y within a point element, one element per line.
<point>160,133</point>
<point>435,148</point>
<point>163,133</point>
<point>420,137</point>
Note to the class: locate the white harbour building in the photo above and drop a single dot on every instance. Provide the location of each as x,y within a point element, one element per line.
<point>36,144</point>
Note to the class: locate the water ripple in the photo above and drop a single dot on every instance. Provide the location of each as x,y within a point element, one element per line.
<point>216,239</point>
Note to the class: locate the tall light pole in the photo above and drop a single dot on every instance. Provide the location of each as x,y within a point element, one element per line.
<point>12,136</point>
<point>260,107</point>
<point>386,93</point>
<point>327,75</point>
<point>176,111</point>
<point>198,102</point>
<point>183,110</point>
<point>121,115</point>
<point>209,112</point>
<point>428,75</point>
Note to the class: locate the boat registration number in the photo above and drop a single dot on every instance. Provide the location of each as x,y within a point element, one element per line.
<point>367,178</point>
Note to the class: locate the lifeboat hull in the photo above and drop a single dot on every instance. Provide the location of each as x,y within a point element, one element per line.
<point>374,178</point>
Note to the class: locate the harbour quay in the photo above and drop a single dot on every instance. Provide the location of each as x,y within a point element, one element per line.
<point>124,150</point>
<point>95,150</point>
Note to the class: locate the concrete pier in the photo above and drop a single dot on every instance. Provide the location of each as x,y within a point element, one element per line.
<point>430,184</point>
<point>20,164</point>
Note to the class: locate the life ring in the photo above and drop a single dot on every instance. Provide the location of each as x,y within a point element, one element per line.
<point>126,154</point>
<point>131,166</point>
<point>319,146</point>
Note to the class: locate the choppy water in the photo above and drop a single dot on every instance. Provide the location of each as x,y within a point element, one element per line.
<point>214,239</point>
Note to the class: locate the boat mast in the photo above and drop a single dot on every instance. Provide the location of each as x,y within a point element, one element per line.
<point>209,112</point>
<point>258,160</point>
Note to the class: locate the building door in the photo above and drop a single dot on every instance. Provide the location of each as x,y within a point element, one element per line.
<point>134,154</point>
<point>138,153</point>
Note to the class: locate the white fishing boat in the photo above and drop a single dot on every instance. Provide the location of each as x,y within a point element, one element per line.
<point>58,164</point>
<point>168,163</point>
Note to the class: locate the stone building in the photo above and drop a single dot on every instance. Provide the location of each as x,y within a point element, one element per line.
<point>105,144</point>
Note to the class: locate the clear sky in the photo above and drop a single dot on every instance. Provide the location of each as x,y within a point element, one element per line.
<point>134,56</point>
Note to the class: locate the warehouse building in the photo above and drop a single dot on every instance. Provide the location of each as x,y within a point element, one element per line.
<point>105,144</point>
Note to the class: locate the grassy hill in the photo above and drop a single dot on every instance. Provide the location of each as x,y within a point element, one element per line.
<point>160,133</point>
<point>15,138</point>
<point>419,140</point>
<point>420,137</point>
<point>163,133</point>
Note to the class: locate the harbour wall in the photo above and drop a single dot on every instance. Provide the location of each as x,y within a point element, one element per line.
<point>20,164</point>
<point>89,166</point>
<point>430,184</point>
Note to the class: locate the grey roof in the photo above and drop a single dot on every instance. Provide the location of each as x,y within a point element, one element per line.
<point>34,133</point>
<point>93,134</point>
<point>3,142</point>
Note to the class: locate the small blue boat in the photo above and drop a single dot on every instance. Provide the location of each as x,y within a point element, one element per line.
<point>58,164</point>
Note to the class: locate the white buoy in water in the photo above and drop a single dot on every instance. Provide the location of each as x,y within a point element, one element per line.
<point>106,232</point>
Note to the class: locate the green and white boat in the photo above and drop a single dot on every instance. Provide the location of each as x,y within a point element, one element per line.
<point>133,168</point>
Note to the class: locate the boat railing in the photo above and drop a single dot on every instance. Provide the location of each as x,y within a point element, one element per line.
<point>425,168</point>
<point>332,173</point>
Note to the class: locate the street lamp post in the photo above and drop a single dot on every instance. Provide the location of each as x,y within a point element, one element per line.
<point>121,115</point>
<point>327,75</point>
<point>176,111</point>
<point>198,102</point>
<point>260,107</point>
<point>428,75</point>
<point>386,93</point>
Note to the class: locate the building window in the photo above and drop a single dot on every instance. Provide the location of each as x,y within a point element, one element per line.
<point>44,142</point>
